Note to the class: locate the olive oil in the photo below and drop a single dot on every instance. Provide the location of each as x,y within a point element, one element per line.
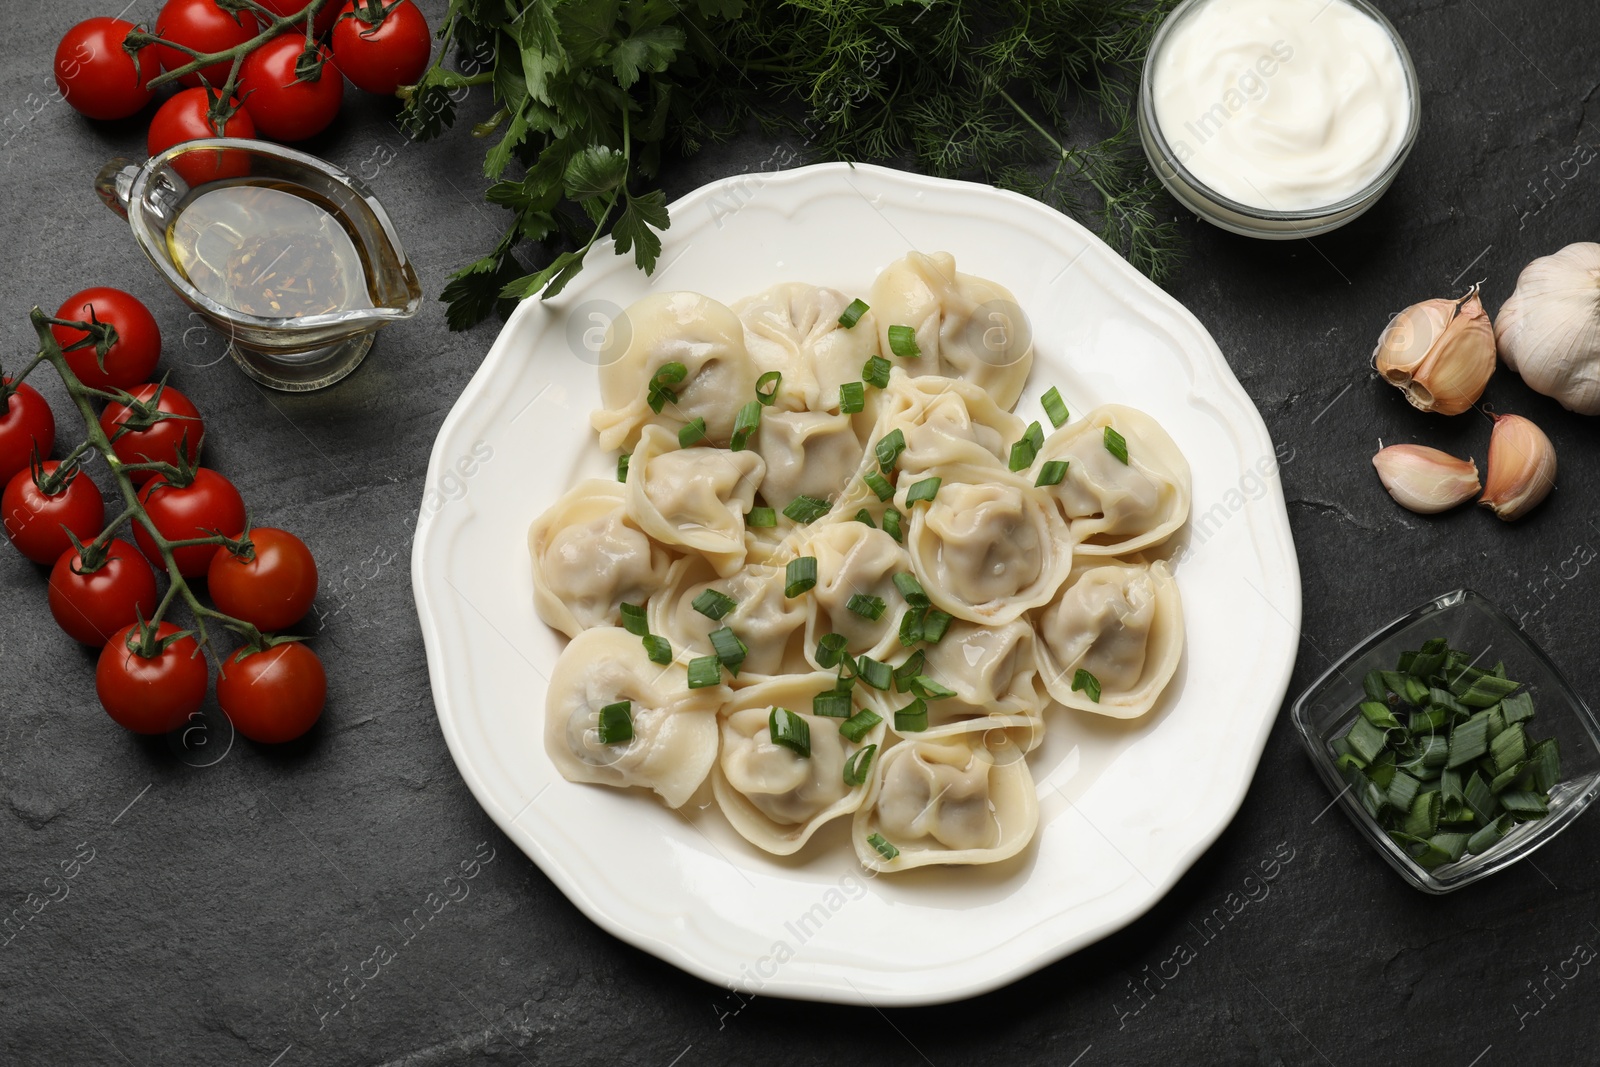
<point>267,248</point>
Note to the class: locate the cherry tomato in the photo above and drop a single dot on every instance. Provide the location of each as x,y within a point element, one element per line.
<point>325,14</point>
<point>275,695</point>
<point>273,589</point>
<point>187,117</point>
<point>91,606</point>
<point>381,56</point>
<point>160,443</point>
<point>34,521</point>
<point>25,423</point>
<point>96,76</point>
<point>205,27</point>
<point>132,359</point>
<point>281,106</point>
<point>155,695</point>
<point>206,506</point>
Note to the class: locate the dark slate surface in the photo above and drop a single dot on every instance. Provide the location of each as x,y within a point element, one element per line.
<point>231,891</point>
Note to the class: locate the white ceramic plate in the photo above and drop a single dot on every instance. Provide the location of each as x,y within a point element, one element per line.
<point>1125,808</point>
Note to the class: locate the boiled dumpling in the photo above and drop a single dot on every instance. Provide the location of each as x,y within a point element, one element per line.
<point>771,625</point>
<point>1122,623</point>
<point>945,421</point>
<point>854,559</point>
<point>695,498</point>
<point>966,798</point>
<point>706,337</point>
<point>807,453</point>
<point>994,672</point>
<point>988,547</point>
<point>794,329</point>
<point>965,327</point>
<point>590,558</point>
<point>674,727</point>
<point>773,796</point>
<point>1112,507</point>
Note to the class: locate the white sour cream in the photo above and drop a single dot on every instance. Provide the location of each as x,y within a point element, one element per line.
<point>1281,105</point>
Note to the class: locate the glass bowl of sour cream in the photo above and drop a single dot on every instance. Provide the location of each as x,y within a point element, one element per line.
<point>1278,118</point>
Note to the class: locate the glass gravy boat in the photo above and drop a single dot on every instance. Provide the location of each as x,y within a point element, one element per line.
<point>295,353</point>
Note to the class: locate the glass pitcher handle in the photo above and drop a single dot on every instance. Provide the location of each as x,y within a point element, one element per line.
<point>114,183</point>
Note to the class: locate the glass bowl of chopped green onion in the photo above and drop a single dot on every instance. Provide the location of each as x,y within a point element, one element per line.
<point>1452,741</point>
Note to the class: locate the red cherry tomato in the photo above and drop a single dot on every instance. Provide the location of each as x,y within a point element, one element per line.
<point>155,695</point>
<point>381,56</point>
<point>273,589</point>
<point>34,521</point>
<point>275,695</point>
<point>186,117</point>
<point>206,506</point>
<point>132,359</point>
<point>96,76</point>
<point>25,423</point>
<point>91,606</point>
<point>160,443</point>
<point>325,14</point>
<point>205,27</point>
<point>281,106</point>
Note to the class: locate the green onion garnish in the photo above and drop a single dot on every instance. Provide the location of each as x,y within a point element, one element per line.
<point>692,432</point>
<point>767,387</point>
<point>929,689</point>
<point>903,342</point>
<point>886,850</point>
<point>789,730</point>
<point>868,607</point>
<point>1052,472</point>
<point>807,509</point>
<point>852,314</point>
<point>910,588</point>
<point>658,649</point>
<point>911,719</point>
<point>878,675</point>
<point>852,397</point>
<point>913,666</point>
<point>800,575</point>
<point>912,622</point>
<point>830,650</point>
<point>857,766</point>
<point>935,625</point>
<point>1026,450</point>
<point>660,391</point>
<point>888,449</point>
<point>875,371</point>
<point>859,725</point>
<point>704,672</point>
<point>1087,682</point>
<point>831,704</point>
<point>729,649</point>
<point>634,620</point>
<point>1054,406</point>
<point>615,723</point>
<point>878,484</point>
<point>891,525</point>
<point>761,518</point>
<point>1116,444</point>
<point>622,466</point>
<point>866,516</point>
<point>713,604</point>
<point>744,424</point>
<point>924,490</point>
<point>1469,740</point>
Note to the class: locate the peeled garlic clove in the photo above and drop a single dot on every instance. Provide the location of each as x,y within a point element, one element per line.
<point>1549,328</point>
<point>1424,479</point>
<point>1522,468</point>
<point>1440,353</point>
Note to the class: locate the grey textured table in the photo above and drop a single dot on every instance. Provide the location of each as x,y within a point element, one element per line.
<point>235,894</point>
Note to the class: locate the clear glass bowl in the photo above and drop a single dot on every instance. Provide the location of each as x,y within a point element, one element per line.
<point>1470,623</point>
<point>1246,219</point>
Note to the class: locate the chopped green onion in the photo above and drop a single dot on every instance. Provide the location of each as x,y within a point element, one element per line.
<point>1402,791</point>
<point>935,625</point>
<point>868,607</point>
<point>807,509</point>
<point>911,719</point>
<point>660,392</point>
<point>1546,764</point>
<point>761,518</point>
<point>924,490</point>
<point>830,650</point>
<point>713,604</point>
<point>1489,834</point>
<point>1052,472</point>
<point>913,666</point>
<point>903,342</point>
<point>1088,683</point>
<point>878,484</point>
<point>615,723</point>
<point>1423,818</point>
<point>767,387</point>
<point>875,371</point>
<point>1054,406</point>
<point>852,314</point>
<point>1022,455</point>
<point>1416,691</point>
<point>866,516</point>
<point>799,576</point>
<point>1524,805</point>
<point>1116,444</point>
<point>852,397</point>
<point>704,672</point>
<point>878,675</point>
<point>634,620</point>
<point>692,432</point>
<point>1509,748</point>
<point>1366,739</point>
<point>622,466</point>
<point>930,689</point>
<point>888,449</point>
<point>1373,686</point>
<point>1379,715</point>
<point>1506,778</point>
<point>1487,691</point>
<point>859,725</point>
<point>831,704</point>
<point>1469,740</point>
<point>910,588</point>
<point>857,766</point>
<point>1517,708</point>
<point>729,649</point>
<point>657,649</point>
<point>886,850</point>
<point>744,424</point>
<point>891,524</point>
<point>912,621</point>
<point>789,730</point>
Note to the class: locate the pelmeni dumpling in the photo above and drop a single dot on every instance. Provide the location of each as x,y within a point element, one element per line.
<point>687,328</point>
<point>965,327</point>
<point>995,675</point>
<point>807,453</point>
<point>773,796</point>
<point>854,559</point>
<point>988,547</point>
<point>772,626</point>
<point>1123,623</point>
<point>794,329</point>
<point>589,558</point>
<point>695,498</point>
<point>945,421</point>
<point>674,727</point>
<point>965,798</point>
<point>1112,507</point>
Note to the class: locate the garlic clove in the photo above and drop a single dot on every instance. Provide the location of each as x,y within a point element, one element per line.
<point>1548,330</point>
<point>1440,353</point>
<point>1522,468</point>
<point>1424,479</point>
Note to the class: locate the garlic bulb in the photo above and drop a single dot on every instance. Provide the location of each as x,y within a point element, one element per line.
<point>1439,352</point>
<point>1522,468</point>
<point>1549,330</point>
<point>1424,479</point>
